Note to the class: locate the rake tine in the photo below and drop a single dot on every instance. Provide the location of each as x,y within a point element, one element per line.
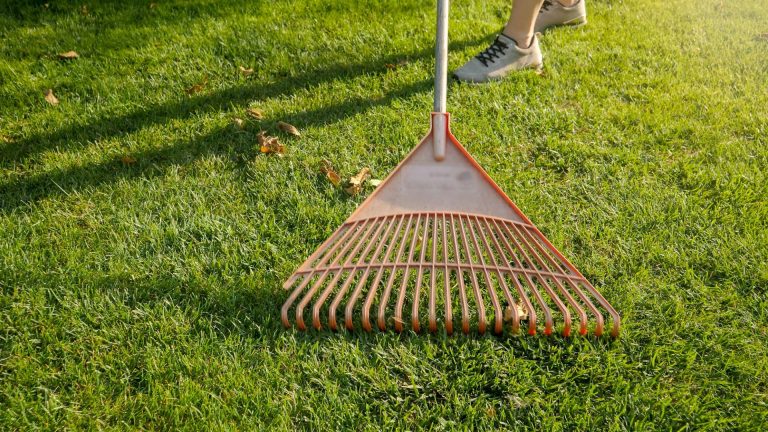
<point>340,295</point>
<point>548,321</point>
<point>306,265</point>
<point>433,280</point>
<point>603,302</point>
<point>308,297</point>
<point>363,280</point>
<point>614,315</point>
<point>502,282</point>
<point>460,278</point>
<point>382,319</point>
<point>379,274</point>
<point>447,277</point>
<point>401,295</point>
<point>516,281</point>
<point>295,294</point>
<point>582,315</point>
<point>475,285</point>
<point>419,277</point>
<point>598,316</point>
<point>498,320</point>
<point>537,252</point>
<point>563,309</point>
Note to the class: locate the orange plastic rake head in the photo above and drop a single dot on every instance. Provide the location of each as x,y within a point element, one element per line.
<point>438,238</point>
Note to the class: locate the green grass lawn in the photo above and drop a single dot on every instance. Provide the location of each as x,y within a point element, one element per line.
<point>144,238</point>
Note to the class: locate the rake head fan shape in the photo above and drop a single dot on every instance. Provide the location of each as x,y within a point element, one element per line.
<point>439,241</point>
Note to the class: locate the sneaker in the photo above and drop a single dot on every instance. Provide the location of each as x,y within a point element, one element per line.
<point>499,59</point>
<point>553,14</point>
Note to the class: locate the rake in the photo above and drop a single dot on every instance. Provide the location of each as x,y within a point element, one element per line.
<point>439,236</point>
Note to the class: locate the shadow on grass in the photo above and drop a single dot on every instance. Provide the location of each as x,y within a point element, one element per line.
<point>235,308</point>
<point>222,141</point>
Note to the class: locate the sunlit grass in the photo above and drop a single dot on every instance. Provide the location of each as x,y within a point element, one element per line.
<point>147,294</point>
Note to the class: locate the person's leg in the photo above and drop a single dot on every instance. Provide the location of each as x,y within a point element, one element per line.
<point>521,21</point>
<point>555,13</point>
<point>517,46</point>
<point>514,49</point>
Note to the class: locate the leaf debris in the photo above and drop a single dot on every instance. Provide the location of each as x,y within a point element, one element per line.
<point>522,312</point>
<point>197,88</point>
<point>269,144</point>
<point>50,98</point>
<point>288,128</point>
<point>398,65</point>
<point>330,173</point>
<point>240,123</point>
<point>355,184</point>
<point>128,160</point>
<point>245,72</point>
<point>255,113</point>
<point>69,55</point>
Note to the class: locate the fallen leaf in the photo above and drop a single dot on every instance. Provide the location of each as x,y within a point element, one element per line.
<point>330,173</point>
<point>521,312</point>
<point>355,183</point>
<point>6,139</point>
<point>255,113</point>
<point>84,10</point>
<point>152,5</point>
<point>128,160</point>
<point>197,88</point>
<point>69,55</point>
<point>238,122</point>
<point>375,182</point>
<point>269,144</point>
<point>762,36</point>
<point>244,71</point>
<point>288,128</point>
<point>399,64</point>
<point>50,98</point>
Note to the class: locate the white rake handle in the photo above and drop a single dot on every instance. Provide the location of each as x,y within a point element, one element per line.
<point>439,128</point>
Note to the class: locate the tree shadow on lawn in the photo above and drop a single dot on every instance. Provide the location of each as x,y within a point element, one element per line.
<point>226,141</point>
<point>78,135</point>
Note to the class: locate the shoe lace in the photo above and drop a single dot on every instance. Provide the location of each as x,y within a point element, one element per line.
<point>492,52</point>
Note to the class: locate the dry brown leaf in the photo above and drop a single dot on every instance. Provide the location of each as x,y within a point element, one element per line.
<point>69,55</point>
<point>288,128</point>
<point>128,160</point>
<point>398,65</point>
<point>238,122</point>
<point>84,10</point>
<point>244,71</point>
<point>255,113</point>
<point>269,144</point>
<point>50,98</point>
<point>197,88</point>
<point>330,173</point>
<point>375,182</point>
<point>355,183</point>
<point>521,312</point>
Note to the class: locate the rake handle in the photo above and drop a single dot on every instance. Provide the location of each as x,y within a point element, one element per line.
<point>439,122</point>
